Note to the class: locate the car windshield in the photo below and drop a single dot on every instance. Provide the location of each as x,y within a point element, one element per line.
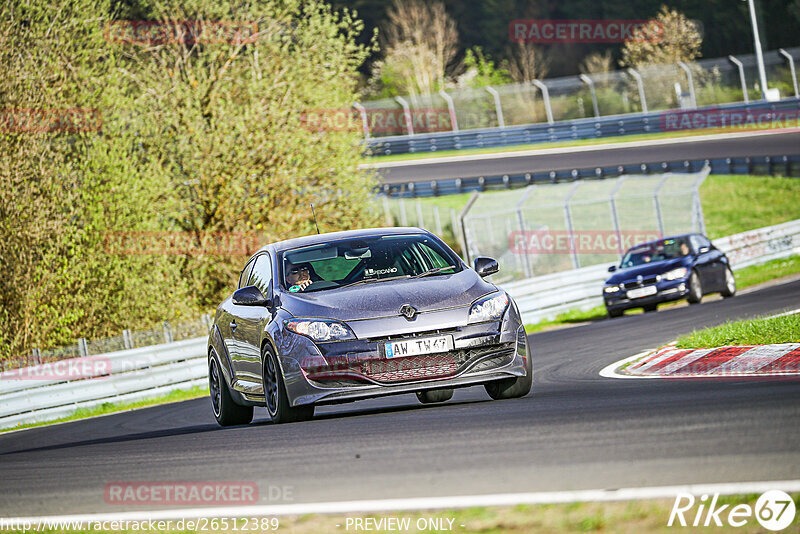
<point>365,260</point>
<point>665,249</point>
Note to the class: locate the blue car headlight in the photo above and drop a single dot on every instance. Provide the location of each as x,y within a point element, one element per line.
<point>676,274</point>
<point>488,308</point>
<point>320,329</point>
<point>611,289</point>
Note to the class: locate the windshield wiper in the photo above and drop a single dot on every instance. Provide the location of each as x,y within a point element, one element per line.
<point>370,280</point>
<point>434,271</point>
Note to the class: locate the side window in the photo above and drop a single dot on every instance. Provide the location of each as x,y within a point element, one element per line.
<point>245,276</point>
<point>262,273</point>
<point>698,242</point>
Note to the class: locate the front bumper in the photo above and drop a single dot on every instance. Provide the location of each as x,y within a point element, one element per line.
<point>330,373</point>
<point>667,291</point>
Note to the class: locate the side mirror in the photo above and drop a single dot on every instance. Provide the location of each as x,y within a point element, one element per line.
<point>703,250</point>
<point>250,296</point>
<point>612,268</point>
<point>486,266</point>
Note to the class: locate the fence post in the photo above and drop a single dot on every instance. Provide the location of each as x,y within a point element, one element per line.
<point>588,81</point>
<point>546,97</point>
<point>612,200</point>
<point>403,215</point>
<point>406,113</point>
<point>568,218</point>
<point>463,228</point>
<point>640,86</point>
<point>497,107</point>
<point>451,108</point>
<point>688,72</point>
<point>790,59</point>
<point>364,120</point>
<point>126,339</point>
<point>526,261</point>
<point>438,219</point>
<point>167,333</point>
<point>420,219</point>
<point>387,213</point>
<point>37,356</point>
<point>83,348</point>
<point>741,77</point>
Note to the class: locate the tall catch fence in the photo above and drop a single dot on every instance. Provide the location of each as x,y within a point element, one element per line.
<point>548,228</point>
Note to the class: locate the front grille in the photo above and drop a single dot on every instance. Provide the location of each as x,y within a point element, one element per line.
<point>633,284</point>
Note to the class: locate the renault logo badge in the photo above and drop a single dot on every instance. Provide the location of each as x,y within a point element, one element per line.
<point>408,311</point>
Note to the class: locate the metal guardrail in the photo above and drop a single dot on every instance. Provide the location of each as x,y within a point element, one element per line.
<point>569,130</point>
<point>151,371</point>
<point>544,297</point>
<point>788,165</point>
<point>122,376</point>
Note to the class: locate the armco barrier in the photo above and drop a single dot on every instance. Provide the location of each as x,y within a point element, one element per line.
<point>150,371</point>
<point>761,165</point>
<point>544,297</point>
<point>135,374</point>
<point>588,128</point>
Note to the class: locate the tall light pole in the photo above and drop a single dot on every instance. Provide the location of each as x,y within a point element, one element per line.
<point>762,75</point>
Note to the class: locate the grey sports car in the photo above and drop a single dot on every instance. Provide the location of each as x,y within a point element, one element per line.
<point>351,315</point>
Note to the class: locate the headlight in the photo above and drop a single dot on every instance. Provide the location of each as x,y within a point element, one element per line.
<point>610,289</point>
<point>675,274</point>
<point>320,329</point>
<point>488,308</point>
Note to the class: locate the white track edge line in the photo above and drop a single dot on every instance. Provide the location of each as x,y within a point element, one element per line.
<point>429,503</point>
<point>572,149</point>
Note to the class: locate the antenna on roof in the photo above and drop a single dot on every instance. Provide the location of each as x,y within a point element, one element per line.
<point>315,217</point>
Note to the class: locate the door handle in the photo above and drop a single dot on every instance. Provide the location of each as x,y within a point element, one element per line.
<point>233,326</point>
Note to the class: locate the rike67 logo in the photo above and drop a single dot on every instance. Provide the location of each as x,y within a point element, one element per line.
<point>774,510</point>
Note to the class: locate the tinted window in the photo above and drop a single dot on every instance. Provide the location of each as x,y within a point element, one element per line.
<point>666,249</point>
<point>365,260</point>
<point>245,276</point>
<point>262,274</point>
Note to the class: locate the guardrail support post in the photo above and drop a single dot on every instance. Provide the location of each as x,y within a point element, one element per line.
<point>406,113</point>
<point>127,342</point>
<point>741,77</point>
<point>451,108</point>
<point>546,97</point>
<point>364,121</point>
<point>568,218</point>
<point>497,107</point>
<point>790,59</point>
<point>689,76</point>
<point>83,348</point>
<point>640,86</point>
<point>167,333</point>
<point>588,81</point>
<point>37,356</point>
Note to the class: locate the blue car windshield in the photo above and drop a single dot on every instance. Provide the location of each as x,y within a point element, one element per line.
<point>666,249</point>
<point>365,260</point>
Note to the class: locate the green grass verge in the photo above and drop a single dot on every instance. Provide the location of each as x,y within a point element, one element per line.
<point>759,331</point>
<point>567,318</point>
<point>544,146</point>
<point>618,516</point>
<point>111,407</point>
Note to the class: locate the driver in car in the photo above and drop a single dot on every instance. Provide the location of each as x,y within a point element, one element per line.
<point>298,277</point>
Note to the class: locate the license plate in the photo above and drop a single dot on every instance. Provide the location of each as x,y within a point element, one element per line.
<point>640,292</point>
<point>415,347</point>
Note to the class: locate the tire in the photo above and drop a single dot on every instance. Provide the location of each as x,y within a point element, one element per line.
<point>512,388</point>
<point>275,398</point>
<point>614,313</point>
<point>434,395</point>
<point>730,284</point>
<point>650,308</point>
<point>695,289</point>
<point>226,411</point>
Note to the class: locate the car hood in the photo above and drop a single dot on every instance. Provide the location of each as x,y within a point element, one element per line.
<point>384,299</point>
<point>648,269</point>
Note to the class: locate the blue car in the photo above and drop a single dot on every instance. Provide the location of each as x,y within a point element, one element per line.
<point>685,266</point>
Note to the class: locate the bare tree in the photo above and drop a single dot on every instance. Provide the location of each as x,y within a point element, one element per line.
<point>597,62</point>
<point>420,40</point>
<point>527,62</point>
